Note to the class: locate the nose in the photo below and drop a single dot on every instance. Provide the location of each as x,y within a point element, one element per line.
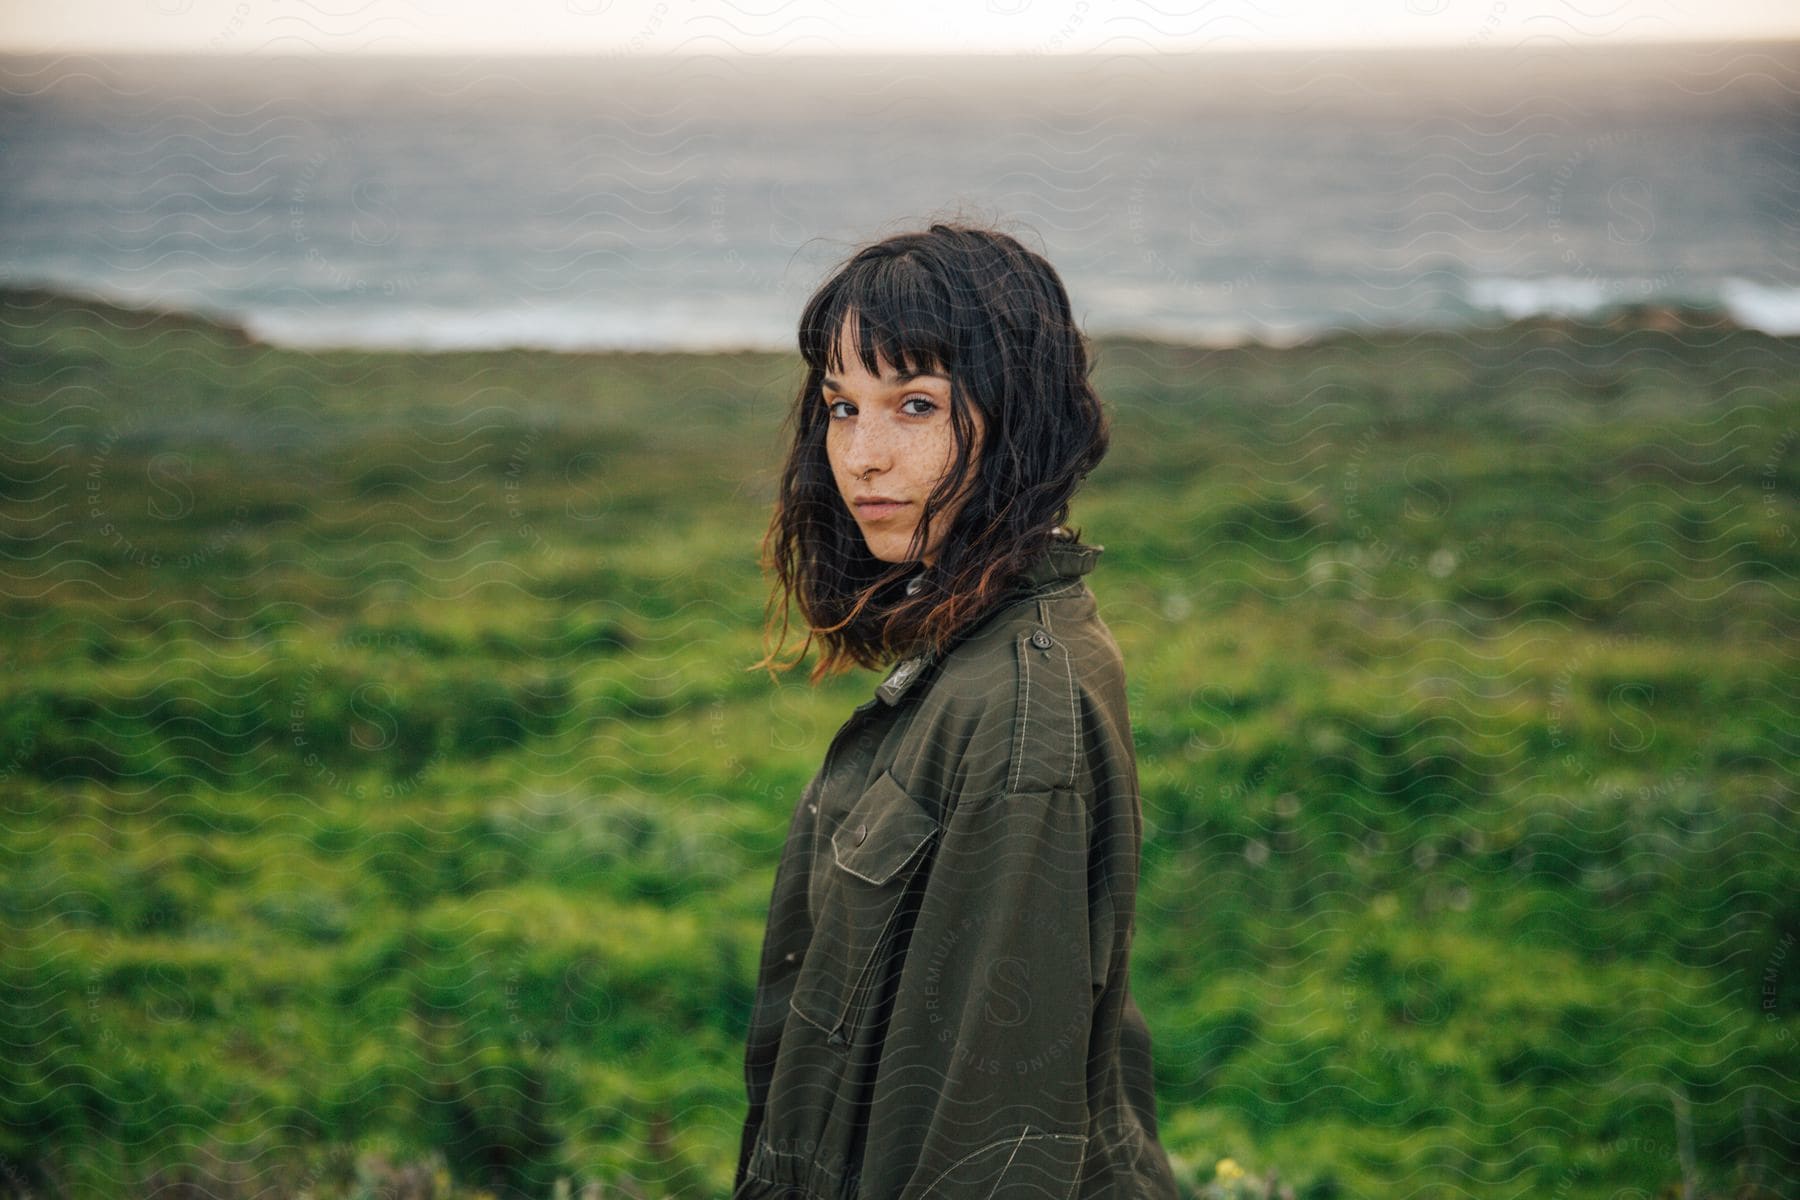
<point>869,449</point>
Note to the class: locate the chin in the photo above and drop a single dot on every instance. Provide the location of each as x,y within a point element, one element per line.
<point>889,549</point>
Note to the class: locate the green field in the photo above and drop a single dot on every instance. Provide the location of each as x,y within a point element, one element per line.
<point>390,809</point>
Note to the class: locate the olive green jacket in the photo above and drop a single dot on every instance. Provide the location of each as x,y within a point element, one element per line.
<point>942,1003</point>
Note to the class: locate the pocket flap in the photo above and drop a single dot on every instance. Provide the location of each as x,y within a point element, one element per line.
<point>883,830</point>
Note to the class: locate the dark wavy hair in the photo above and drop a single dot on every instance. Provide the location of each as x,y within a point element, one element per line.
<point>974,303</point>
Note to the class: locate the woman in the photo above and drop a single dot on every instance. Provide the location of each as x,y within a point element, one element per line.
<point>942,1004</point>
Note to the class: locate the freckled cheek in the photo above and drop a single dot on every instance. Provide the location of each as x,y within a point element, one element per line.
<point>834,455</point>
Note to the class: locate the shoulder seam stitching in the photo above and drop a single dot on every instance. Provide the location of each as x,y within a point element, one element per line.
<point>1074,714</point>
<point>1019,718</point>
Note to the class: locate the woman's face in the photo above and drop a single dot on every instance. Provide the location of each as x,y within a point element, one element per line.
<point>889,442</point>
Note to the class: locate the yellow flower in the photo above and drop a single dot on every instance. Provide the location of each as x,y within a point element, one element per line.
<point>1227,1170</point>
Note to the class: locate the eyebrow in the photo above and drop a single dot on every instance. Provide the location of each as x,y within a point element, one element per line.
<point>893,380</point>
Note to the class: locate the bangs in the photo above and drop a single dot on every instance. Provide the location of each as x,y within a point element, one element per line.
<point>902,317</point>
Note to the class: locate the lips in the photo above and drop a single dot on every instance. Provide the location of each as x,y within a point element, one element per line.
<point>878,509</point>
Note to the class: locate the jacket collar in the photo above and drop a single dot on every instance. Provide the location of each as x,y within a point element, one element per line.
<point>1063,559</point>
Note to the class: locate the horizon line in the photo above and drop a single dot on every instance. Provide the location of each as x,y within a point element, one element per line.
<point>839,52</point>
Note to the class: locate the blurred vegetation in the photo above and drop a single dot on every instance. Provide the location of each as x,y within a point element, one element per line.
<point>389,810</point>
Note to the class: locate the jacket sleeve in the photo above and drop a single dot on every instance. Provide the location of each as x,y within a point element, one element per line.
<point>982,1089</point>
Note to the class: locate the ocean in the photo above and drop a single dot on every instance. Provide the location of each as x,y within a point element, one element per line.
<point>694,203</point>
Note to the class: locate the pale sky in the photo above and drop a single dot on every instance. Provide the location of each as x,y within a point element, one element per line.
<point>766,27</point>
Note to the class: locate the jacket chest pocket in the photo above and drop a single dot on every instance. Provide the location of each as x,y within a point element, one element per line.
<point>873,854</point>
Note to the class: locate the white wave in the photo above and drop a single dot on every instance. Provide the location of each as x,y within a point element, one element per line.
<point>668,326</point>
<point>1561,295</point>
<point>1772,309</point>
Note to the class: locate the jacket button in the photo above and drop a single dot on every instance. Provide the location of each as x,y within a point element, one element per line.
<point>862,832</point>
<point>837,1038</point>
<point>1040,639</point>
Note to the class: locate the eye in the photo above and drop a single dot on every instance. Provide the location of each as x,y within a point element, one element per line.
<point>831,407</point>
<point>929,403</point>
